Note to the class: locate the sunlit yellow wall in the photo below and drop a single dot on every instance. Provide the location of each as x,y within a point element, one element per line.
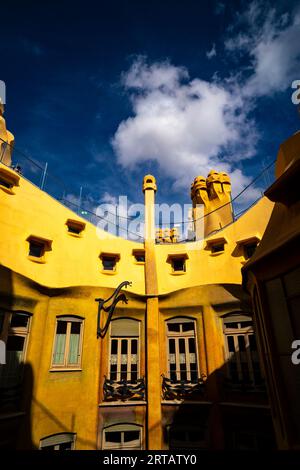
<point>70,280</point>
<point>203,267</point>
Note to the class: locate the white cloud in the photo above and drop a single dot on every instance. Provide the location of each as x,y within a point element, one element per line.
<point>272,43</point>
<point>186,126</point>
<point>190,126</point>
<point>212,53</point>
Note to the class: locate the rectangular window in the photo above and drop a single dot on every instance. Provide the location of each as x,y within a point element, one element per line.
<point>75,227</point>
<point>64,441</point>
<point>15,331</point>
<point>182,351</point>
<point>217,248</point>
<point>68,343</point>
<point>241,353</point>
<point>124,363</point>
<point>118,437</point>
<point>109,263</point>
<point>139,256</point>
<point>37,248</point>
<point>178,264</point>
<point>249,250</point>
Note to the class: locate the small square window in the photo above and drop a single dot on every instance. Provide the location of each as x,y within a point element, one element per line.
<point>36,249</point>
<point>109,263</point>
<point>75,227</point>
<point>217,248</point>
<point>178,264</point>
<point>139,256</point>
<point>8,180</point>
<point>5,183</point>
<point>249,249</point>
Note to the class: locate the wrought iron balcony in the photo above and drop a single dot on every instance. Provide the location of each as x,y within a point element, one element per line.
<point>176,390</point>
<point>124,389</point>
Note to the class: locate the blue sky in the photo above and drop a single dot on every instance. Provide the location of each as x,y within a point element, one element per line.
<point>106,92</point>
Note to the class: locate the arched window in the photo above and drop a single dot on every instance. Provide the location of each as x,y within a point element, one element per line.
<point>241,349</point>
<point>182,349</point>
<point>122,436</point>
<point>67,347</point>
<point>124,357</point>
<point>62,441</point>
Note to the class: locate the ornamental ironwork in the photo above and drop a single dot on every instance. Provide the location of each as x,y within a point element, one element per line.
<point>114,298</point>
<point>124,389</point>
<point>179,389</point>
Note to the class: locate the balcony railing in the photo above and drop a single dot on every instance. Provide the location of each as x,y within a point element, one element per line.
<point>177,390</point>
<point>124,389</point>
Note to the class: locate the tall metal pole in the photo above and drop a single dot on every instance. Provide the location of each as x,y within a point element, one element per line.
<point>44,176</point>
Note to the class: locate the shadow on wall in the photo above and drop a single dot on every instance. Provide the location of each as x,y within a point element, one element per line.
<point>228,410</point>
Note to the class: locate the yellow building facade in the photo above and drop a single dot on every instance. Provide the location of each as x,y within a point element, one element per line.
<point>178,365</point>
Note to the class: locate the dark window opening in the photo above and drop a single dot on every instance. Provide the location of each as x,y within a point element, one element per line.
<point>19,320</point>
<point>109,263</point>
<point>178,264</point>
<point>217,248</point>
<point>140,257</point>
<point>5,183</point>
<point>74,229</point>
<point>36,249</point>
<point>249,249</point>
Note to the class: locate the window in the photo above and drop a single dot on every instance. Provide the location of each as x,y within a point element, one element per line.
<point>64,441</point>
<point>14,332</point>
<point>248,246</point>
<point>68,343</point>
<point>178,262</point>
<point>75,227</point>
<point>139,256</point>
<point>241,350</point>
<point>8,180</point>
<point>182,349</point>
<point>37,248</point>
<point>249,249</point>
<point>109,261</point>
<point>216,245</point>
<point>124,349</point>
<point>188,437</point>
<point>122,436</point>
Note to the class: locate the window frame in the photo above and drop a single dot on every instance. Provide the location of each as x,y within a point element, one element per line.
<point>10,179</point>
<point>119,353</point>
<point>186,336</point>
<point>66,366</point>
<point>122,428</point>
<point>23,332</point>
<point>139,252</point>
<point>175,256</point>
<point>77,225</point>
<point>115,256</point>
<point>47,246</point>
<point>52,437</point>
<point>239,317</point>
<point>215,242</point>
